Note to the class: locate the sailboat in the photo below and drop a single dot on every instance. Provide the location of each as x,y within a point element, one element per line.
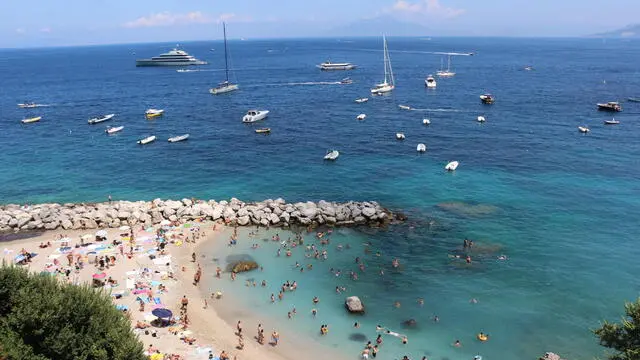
<point>389,83</point>
<point>225,86</point>
<point>448,72</point>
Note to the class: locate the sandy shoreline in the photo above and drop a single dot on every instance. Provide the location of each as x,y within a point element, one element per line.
<point>206,326</point>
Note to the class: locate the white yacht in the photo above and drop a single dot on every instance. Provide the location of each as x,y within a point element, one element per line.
<point>113,130</point>
<point>328,65</point>
<point>421,148</point>
<point>389,83</point>
<point>179,138</point>
<point>481,119</point>
<point>426,121</point>
<point>332,155</point>
<point>255,115</point>
<point>225,86</point>
<point>147,140</point>
<point>362,100</point>
<point>430,82</point>
<point>174,57</point>
<point>152,113</point>
<point>400,136</point>
<point>446,73</point>
<point>361,117</point>
<point>583,129</point>
<point>404,107</point>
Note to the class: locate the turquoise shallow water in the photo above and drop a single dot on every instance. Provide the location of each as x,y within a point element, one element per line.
<point>563,207</point>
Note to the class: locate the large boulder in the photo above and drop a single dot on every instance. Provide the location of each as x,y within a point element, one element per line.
<point>368,212</point>
<point>243,220</point>
<point>243,266</point>
<point>354,305</point>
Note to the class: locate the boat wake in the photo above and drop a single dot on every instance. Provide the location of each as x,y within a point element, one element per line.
<point>439,110</point>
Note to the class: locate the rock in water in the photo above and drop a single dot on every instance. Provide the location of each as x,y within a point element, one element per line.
<point>550,356</point>
<point>243,266</point>
<point>354,305</point>
<point>410,323</point>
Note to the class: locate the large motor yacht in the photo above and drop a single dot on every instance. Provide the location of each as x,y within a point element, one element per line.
<point>174,57</point>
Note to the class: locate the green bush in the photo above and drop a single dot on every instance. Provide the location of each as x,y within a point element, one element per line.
<point>42,319</point>
<point>623,337</point>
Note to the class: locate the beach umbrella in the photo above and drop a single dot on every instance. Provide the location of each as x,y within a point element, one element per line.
<point>100,275</point>
<point>162,313</point>
<point>101,233</point>
<point>124,227</point>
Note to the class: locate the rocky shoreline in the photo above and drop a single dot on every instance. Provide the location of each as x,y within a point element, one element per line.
<point>269,212</point>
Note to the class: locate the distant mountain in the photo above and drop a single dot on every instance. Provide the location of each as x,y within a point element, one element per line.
<point>380,25</point>
<point>631,31</point>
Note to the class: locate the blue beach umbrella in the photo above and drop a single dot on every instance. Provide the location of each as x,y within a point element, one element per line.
<point>162,313</point>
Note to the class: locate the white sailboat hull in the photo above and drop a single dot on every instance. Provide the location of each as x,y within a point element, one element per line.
<point>382,90</point>
<point>224,89</point>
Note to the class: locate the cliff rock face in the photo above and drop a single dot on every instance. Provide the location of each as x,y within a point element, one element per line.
<point>146,213</point>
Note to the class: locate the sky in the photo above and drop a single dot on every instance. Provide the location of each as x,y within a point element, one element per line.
<point>36,23</point>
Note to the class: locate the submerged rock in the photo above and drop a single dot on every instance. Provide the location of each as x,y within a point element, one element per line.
<point>358,337</point>
<point>354,305</point>
<point>410,323</point>
<point>244,266</point>
<point>466,209</point>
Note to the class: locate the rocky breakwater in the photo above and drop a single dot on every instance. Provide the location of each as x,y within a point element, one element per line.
<point>265,213</point>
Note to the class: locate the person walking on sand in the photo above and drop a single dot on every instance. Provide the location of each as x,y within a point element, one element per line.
<point>184,302</point>
<point>275,337</point>
<point>239,327</point>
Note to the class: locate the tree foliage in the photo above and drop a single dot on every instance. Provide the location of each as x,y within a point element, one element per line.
<point>625,336</point>
<point>42,319</point>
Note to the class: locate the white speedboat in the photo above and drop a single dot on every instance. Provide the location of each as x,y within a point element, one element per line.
<point>481,119</point>
<point>152,113</point>
<point>446,73</point>
<point>99,119</point>
<point>361,117</point>
<point>400,136</point>
<point>583,129</point>
<point>430,82</point>
<point>426,121</point>
<point>362,100</point>
<point>31,120</point>
<point>28,105</point>
<point>328,65</point>
<point>225,86</point>
<point>174,57</point>
<point>179,138</point>
<point>255,115</point>
<point>487,99</point>
<point>452,166</point>
<point>389,83</point>
<point>611,122</point>
<point>113,130</point>
<point>404,107</point>
<point>332,155</point>
<point>147,140</point>
<point>421,148</point>
<point>346,81</point>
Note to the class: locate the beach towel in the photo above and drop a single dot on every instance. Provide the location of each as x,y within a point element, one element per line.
<point>144,299</point>
<point>122,307</point>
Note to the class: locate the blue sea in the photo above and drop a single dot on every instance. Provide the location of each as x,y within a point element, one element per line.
<point>561,206</point>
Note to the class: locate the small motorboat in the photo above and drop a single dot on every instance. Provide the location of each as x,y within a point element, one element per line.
<point>147,140</point>
<point>404,107</point>
<point>487,98</point>
<point>481,119</point>
<point>346,81</point>
<point>31,120</point>
<point>528,68</point>
<point>179,138</point>
<point>583,129</point>
<point>332,155</point>
<point>255,115</point>
<point>452,166</point>
<point>426,121</point>
<point>421,148</point>
<point>113,130</point>
<point>99,119</point>
<point>361,117</point>
<point>28,105</point>
<point>430,82</point>
<point>362,100</point>
<point>611,122</point>
<point>263,131</point>
<point>610,106</point>
<point>400,136</point>
<point>633,99</point>
<point>152,113</point>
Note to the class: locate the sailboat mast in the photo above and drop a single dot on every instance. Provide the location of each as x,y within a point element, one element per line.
<point>449,64</point>
<point>393,82</point>
<point>384,50</point>
<point>226,60</point>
